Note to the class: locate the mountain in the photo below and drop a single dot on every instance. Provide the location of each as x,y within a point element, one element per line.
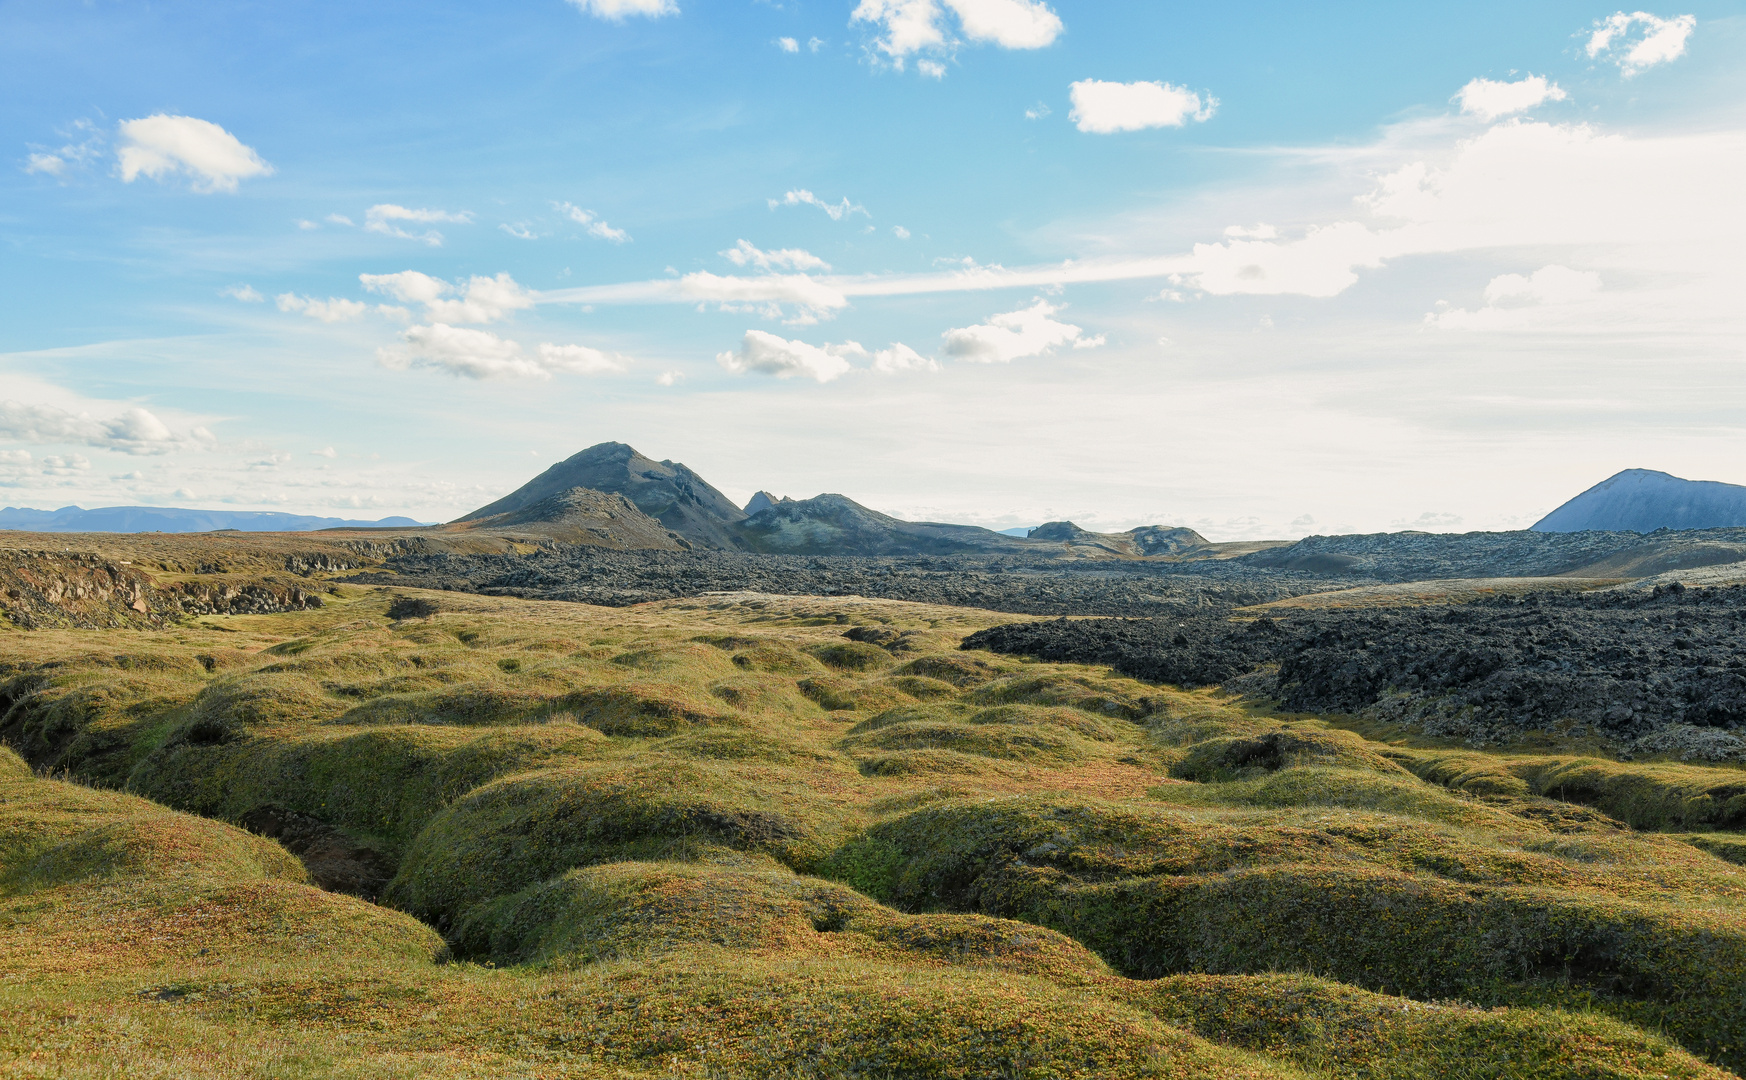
<point>1643,500</point>
<point>665,490</point>
<point>582,516</point>
<point>763,500</point>
<point>838,525</point>
<point>171,519</point>
<point>1145,540</point>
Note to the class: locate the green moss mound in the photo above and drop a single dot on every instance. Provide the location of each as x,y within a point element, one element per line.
<point>852,656</point>
<point>1017,742</point>
<point>1235,757</point>
<point>1343,1031</point>
<point>1353,789</point>
<point>385,783</point>
<point>518,831</point>
<point>1102,697</point>
<point>1644,795</point>
<point>1400,907</point>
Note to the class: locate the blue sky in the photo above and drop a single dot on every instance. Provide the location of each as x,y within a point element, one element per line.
<point>1261,269</point>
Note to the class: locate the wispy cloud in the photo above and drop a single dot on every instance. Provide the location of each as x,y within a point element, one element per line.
<point>745,254</point>
<point>618,10</point>
<point>802,197</point>
<point>480,354</point>
<point>594,226</point>
<point>332,310</point>
<point>477,300</point>
<point>386,218</point>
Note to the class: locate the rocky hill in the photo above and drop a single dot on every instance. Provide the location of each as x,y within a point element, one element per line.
<point>838,525</point>
<point>1643,500</point>
<point>1143,541</point>
<point>1420,556</point>
<point>582,516</point>
<point>667,491</point>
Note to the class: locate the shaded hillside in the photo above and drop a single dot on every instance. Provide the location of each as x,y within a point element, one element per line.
<point>172,519</point>
<point>1420,556</point>
<point>665,490</point>
<point>1143,541</point>
<point>582,516</point>
<point>838,525</point>
<point>1643,500</point>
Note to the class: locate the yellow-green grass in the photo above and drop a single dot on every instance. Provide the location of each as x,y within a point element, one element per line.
<point>717,838</point>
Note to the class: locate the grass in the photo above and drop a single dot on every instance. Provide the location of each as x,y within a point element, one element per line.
<point>718,838</point>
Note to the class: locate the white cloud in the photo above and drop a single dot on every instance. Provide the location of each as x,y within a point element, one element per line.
<point>70,465</point>
<point>578,359</point>
<point>900,358</point>
<point>768,354</point>
<point>744,254</point>
<point>1107,107</point>
<point>900,232</point>
<point>519,231</point>
<point>1003,338</point>
<point>616,10</point>
<point>802,197</point>
<point>1038,111</point>
<point>912,26</point>
<point>338,219</point>
<point>245,293</point>
<point>788,45</point>
<point>594,226</point>
<point>306,225</point>
<point>15,457</point>
<point>812,297</point>
<point>1258,231</point>
<point>669,378</point>
<point>1640,40</point>
<point>383,218</point>
<point>407,286</point>
<point>333,309</point>
<point>813,44</point>
<point>933,69</point>
<point>1488,99</point>
<point>480,354</point>
<point>1552,296</point>
<point>326,452</point>
<point>159,146</point>
<point>131,431</point>
<point>479,300</point>
<point>48,164</point>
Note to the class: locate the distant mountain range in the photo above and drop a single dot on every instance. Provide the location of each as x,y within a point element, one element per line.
<point>1643,500</point>
<point>170,519</point>
<point>676,507</point>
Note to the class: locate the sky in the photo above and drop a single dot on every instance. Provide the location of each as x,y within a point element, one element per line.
<point>1264,270</point>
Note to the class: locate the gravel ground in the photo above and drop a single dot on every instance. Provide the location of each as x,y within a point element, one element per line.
<point>1627,666</point>
<point>997,583</point>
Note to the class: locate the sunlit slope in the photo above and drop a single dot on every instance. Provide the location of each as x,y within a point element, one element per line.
<point>758,836</point>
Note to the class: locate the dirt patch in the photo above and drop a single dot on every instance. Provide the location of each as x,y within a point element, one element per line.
<point>335,862</point>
